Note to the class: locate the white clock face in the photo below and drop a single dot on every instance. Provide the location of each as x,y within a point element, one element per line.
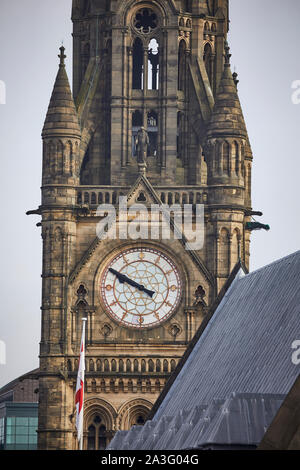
<point>141,287</point>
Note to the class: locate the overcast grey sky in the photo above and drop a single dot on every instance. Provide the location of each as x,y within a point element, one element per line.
<point>265,44</point>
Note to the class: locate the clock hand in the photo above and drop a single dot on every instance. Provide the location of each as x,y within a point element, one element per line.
<point>122,278</point>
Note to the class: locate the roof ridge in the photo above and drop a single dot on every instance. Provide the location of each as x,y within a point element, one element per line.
<point>277,261</point>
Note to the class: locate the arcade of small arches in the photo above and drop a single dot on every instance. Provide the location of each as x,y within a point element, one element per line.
<point>122,385</point>
<point>228,157</point>
<point>60,158</point>
<point>91,197</point>
<point>128,365</point>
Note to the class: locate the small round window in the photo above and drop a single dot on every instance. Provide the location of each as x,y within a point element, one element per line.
<point>145,20</point>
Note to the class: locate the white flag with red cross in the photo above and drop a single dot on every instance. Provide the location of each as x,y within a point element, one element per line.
<point>79,397</point>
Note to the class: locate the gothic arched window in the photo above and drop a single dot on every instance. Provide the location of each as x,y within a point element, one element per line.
<point>85,57</point>
<point>224,252</point>
<point>180,134</point>
<point>182,66</point>
<point>226,158</point>
<point>150,366</point>
<point>235,247</point>
<point>137,64</point>
<point>207,58</point>
<point>91,437</point>
<point>236,157</point>
<point>153,65</point>
<point>145,20</point>
<point>152,128</point>
<point>97,436</point>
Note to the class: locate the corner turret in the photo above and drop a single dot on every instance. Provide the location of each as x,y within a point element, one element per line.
<point>61,133</point>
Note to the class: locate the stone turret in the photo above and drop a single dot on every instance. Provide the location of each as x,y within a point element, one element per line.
<point>227,150</point>
<point>226,133</point>
<point>61,138</point>
<point>61,133</point>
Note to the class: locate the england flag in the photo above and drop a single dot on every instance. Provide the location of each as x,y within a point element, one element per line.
<point>79,397</point>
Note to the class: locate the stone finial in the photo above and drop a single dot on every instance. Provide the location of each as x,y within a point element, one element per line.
<point>235,78</point>
<point>62,56</point>
<point>227,54</point>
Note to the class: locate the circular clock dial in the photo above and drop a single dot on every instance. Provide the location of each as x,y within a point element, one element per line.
<point>141,287</point>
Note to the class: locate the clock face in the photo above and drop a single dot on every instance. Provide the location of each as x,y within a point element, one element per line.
<point>141,287</point>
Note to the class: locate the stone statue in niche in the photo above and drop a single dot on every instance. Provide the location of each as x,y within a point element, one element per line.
<point>142,143</point>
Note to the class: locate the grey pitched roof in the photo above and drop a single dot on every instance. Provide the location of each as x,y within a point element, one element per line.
<point>284,431</point>
<point>244,349</point>
<point>240,420</point>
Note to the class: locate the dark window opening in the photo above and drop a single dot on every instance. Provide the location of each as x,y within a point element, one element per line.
<point>152,128</point>
<point>181,66</point>
<point>237,157</point>
<point>226,157</point>
<point>85,57</point>
<point>102,438</point>
<point>140,421</point>
<point>91,437</point>
<point>187,5</point>
<point>87,8</point>
<point>137,65</point>
<point>179,135</point>
<point>208,58</point>
<point>84,172</point>
<point>145,20</point>
<point>97,439</point>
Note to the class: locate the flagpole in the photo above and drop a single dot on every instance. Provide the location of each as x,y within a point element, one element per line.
<point>84,320</point>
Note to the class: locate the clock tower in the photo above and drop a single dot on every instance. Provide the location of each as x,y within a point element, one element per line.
<point>154,120</point>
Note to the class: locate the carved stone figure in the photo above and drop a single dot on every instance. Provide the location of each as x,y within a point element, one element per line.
<point>142,143</point>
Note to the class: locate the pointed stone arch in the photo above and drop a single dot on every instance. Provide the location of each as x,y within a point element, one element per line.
<point>100,415</point>
<point>224,252</point>
<point>235,247</point>
<point>208,60</point>
<point>127,8</point>
<point>129,412</point>
<point>182,48</point>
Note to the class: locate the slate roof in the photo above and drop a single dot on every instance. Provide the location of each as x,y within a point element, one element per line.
<point>284,431</point>
<point>242,363</point>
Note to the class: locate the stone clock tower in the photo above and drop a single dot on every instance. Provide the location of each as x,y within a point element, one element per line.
<point>164,66</point>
